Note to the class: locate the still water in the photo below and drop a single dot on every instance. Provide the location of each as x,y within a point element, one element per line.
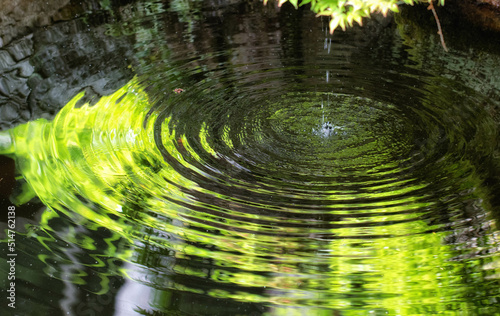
<point>240,160</point>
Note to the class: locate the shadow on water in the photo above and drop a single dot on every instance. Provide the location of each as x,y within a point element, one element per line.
<point>208,158</point>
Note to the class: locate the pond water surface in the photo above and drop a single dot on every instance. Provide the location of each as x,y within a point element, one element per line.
<point>228,158</point>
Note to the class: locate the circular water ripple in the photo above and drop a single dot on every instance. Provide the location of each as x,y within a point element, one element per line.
<point>313,193</point>
<point>299,155</point>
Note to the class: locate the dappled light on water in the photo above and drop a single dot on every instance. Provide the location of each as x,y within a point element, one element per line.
<point>296,199</point>
<point>259,179</point>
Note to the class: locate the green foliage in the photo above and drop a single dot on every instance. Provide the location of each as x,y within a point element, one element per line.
<point>344,13</point>
<point>101,163</point>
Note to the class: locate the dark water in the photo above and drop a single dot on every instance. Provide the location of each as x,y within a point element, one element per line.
<point>298,173</point>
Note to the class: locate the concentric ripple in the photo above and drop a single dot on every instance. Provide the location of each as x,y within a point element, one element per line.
<point>312,136</point>
<point>296,197</point>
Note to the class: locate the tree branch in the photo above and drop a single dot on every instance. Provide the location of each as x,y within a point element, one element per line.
<point>440,31</point>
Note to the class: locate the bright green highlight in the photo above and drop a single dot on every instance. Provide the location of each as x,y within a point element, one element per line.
<point>100,165</point>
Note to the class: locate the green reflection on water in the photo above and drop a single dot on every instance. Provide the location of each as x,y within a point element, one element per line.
<point>101,164</point>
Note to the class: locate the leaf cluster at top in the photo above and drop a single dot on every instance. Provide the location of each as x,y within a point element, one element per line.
<point>344,13</point>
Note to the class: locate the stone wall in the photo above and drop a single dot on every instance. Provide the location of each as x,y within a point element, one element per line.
<point>44,64</point>
<point>20,17</point>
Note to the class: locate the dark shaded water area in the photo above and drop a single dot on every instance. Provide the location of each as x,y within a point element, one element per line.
<point>230,158</point>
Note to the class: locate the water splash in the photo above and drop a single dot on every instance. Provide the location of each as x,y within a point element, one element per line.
<point>291,203</point>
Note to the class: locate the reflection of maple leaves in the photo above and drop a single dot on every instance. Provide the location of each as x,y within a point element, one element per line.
<point>178,90</point>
